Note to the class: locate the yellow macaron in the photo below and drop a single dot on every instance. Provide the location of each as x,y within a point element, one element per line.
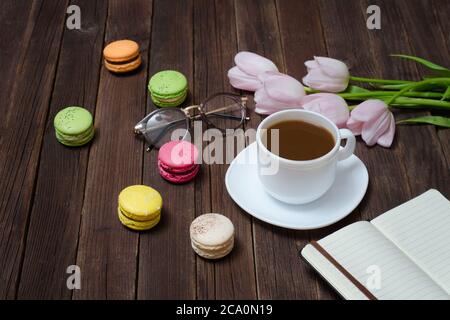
<point>139,207</point>
<point>138,225</point>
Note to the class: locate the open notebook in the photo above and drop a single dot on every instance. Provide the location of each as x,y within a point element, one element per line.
<point>408,247</point>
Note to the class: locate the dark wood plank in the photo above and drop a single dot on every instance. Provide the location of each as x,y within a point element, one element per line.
<point>420,147</point>
<point>23,129</point>
<point>107,251</point>
<point>301,40</point>
<point>431,148</point>
<point>14,19</point>
<point>166,260</point>
<point>54,221</point>
<point>215,47</point>
<point>441,9</point>
<point>205,66</point>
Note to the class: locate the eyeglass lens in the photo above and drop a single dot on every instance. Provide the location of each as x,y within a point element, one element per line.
<point>162,125</point>
<point>224,111</point>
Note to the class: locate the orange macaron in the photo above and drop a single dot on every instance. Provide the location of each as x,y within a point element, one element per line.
<point>122,56</point>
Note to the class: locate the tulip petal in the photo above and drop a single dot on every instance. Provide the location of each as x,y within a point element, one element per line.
<point>330,105</point>
<point>315,96</point>
<point>386,139</point>
<point>317,80</point>
<point>311,64</point>
<point>265,111</point>
<point>332,67</point>
<point>374,129</point>
<point>253,64</point>
<point>266,105</point>
<point>283,88</point>
<point>266,75</point>
<point>241,80</point>
<point>355,126</point>
<point>264,100</point>
<point>369,110</point>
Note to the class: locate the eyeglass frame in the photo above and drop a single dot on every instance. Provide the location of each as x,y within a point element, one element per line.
<point>241,100</point>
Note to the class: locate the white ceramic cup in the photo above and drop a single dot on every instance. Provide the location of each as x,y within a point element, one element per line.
<point>300,182</point>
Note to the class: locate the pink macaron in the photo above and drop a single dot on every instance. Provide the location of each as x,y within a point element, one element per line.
<point>177,161</point>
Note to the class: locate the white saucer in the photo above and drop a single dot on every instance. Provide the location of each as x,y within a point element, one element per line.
<point>348,190</point>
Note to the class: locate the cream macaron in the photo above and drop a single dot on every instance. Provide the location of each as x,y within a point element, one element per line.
<point>212,235</point>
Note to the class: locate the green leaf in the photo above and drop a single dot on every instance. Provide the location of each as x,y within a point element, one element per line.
<point>434,120</point>
<point>355,89</point>
<point>433,84</point>
<point>392,86</point>
<point>446,95</point>
<point>430,65</point>
<point>422,85</point>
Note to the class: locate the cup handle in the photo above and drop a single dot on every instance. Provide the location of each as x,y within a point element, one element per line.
<point>350,144</point>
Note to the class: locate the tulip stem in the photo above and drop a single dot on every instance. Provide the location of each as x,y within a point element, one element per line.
<point>363,95</point>
<point>405,102</point>
<point>310,90</point>
<point>382,81</point>
<point>433,81</point>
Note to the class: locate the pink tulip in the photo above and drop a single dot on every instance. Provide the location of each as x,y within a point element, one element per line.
<point>374,122</point>
<point>248,66</point>
<point>326,74</point>
<point>242,80</point>
<point>279,92</point>
<point>253,64</point>
<point>330,105</point>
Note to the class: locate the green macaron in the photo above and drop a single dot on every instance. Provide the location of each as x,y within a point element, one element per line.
<point>168,88</point>
<point>74,126</point>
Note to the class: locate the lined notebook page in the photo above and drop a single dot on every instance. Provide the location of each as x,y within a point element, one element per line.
<point>421,228</point>
<point>360,246</point>
<point>332,275</point>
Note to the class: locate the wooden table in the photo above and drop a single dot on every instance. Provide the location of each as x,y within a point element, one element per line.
<point>58,205</point>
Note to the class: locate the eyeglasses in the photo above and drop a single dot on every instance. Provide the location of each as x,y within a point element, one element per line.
<point>221,111</point>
